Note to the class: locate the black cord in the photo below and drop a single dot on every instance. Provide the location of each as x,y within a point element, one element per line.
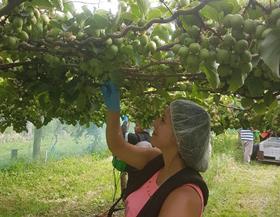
<point>115,202</point>
<point>162,1</point>
<point>113,209</point>
<point>115,184</point>
<point>178,23</point>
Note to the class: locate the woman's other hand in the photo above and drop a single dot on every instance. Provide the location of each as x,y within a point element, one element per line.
<point>111,96</point>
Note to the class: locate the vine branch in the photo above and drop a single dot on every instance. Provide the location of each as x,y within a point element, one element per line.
<point>166,47</point>
<point>255,3</point>
<point>13,65</point>
<point>166,62</point>
<point>267,11</point>
<point>149,24</point>
<point>10,6</point>
<point>163,2</point>
<point>181,76</point>
<point>68,52</point>
<point>234,107</point>
<point>205,27</point>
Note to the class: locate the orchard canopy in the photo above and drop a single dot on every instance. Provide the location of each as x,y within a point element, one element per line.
<point>223,54</point>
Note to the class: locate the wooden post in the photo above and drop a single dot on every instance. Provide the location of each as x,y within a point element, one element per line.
<point>14,153</point>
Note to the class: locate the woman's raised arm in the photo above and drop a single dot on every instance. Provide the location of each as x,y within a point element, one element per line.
<point>135,156</point>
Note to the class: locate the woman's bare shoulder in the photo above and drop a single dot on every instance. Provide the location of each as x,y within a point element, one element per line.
<point>184,201</point>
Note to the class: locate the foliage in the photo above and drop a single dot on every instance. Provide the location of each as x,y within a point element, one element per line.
<point>64,189</point>
<point>53,59</point>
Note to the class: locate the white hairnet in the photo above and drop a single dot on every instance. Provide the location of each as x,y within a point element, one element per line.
<point>191,125</point>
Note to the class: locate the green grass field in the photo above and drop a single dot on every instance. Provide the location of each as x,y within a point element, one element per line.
<point>84,186</point>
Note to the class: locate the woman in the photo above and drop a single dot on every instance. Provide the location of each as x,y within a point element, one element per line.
<point>181,141</point>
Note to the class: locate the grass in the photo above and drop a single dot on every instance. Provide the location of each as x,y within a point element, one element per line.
<point>69,187</point>
<point>84,186</point>
<point>238,189</point>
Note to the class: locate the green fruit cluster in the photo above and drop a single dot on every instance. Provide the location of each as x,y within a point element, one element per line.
<point>194,50</point>
<point>24,24</point>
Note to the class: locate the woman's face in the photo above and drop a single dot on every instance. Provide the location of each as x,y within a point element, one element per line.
<point>163,136</point>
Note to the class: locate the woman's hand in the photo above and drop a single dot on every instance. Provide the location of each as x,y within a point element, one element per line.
<point>111,96</point>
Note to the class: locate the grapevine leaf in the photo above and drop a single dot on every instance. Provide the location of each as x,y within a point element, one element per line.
<point>130,17</point>
<point>162,32</point>
<point>270,51</point>
<point>269,98</point>
<point>211,13</point>
<point>144,6</point>
<point>135,10</point>
<point>260,108</point>
<point>58,4</point>
<point>255,13</point>
<point>255,86</point>
<point>227,6</point>
<point>211,74</point>
<point>99,20</point>
<point>43,3</point>
<point>154,13</point>
<point>69,6</point>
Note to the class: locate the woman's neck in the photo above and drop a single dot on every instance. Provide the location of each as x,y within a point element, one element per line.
<point>172,164</point>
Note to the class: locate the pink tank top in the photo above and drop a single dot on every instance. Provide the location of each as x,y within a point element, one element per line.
<point>137,199</point>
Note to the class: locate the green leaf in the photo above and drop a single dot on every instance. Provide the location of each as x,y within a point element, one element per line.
<point>269,98</point>
<point>43,99</point>
<point>247,102</point>
<point>58,4</point>
<point>116,77</point>
<point>69,6</point>
<point>96,67</point>
<point>135,10</point>
<point>227,6</point>
<point>81,101</point>
<point>130,17</point>
<point>211,74</point>
<point>270,51</point>
<point>100,20</point>
<point>118,18</point>
<point>260,107</point>
<point>144,6</point>
<point>162,31</point>
<point>255,60</point>
<point>4,92</point>
<point>236,81</point>
<point>154,13</point>
<point>255,13</point>
<point>255,86</point>
<point>40,88</point>
<point>7,74</point>
<point>86,10</point>
<point>212,13</point>
<point>189,20</point>
<point>47,4</point>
